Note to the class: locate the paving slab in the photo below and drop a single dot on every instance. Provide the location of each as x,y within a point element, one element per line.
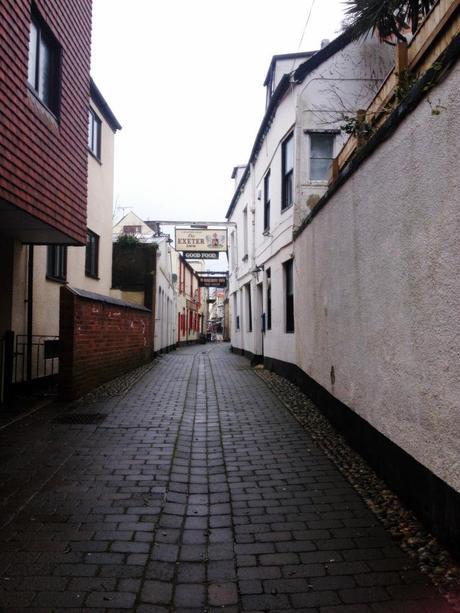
<point>195,490</point>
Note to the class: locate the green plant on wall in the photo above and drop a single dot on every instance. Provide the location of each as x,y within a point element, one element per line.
<point>127,240</point>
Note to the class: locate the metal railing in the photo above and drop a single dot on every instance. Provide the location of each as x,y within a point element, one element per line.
<point>43,360</point>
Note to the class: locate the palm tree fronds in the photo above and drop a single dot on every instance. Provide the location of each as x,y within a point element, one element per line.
<point>387,17</point>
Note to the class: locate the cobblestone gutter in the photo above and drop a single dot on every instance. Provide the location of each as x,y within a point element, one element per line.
<point>406,529</point>
<point>116,387</point>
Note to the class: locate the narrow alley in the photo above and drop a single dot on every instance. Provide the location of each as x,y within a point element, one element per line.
<point>193,491</point>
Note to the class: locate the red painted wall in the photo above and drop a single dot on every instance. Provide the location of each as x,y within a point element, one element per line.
<point>99,341</point>
<point>43,162</point>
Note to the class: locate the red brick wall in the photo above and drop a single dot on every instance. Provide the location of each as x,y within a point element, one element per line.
<point>43,162</point>
<point>99,341</point>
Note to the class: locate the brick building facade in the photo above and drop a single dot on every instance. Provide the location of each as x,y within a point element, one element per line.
<point>45,48</point>
<point>44,95</point>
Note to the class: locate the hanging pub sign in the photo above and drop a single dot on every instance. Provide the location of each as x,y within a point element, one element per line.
<point>201,255</point>
<point>212,281</point>
<point>201,240</point>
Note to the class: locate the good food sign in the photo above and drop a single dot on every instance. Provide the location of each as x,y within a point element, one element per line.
<point>201,240</point>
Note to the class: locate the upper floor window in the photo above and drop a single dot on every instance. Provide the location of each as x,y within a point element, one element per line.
<point>321,155</point>
<point>267,202</point>
<point>56,262</point>
<point>94,134</point>
<point>44,58</point>
<point>287,172</point>
<point>92,254</point>
<point>245,233</point>
<point>132,230</point>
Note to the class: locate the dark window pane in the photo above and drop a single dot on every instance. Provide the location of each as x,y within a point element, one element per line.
<point>56,265</point>
<point>267,201</point>
<point>287,191</point>
<point>44,72</point>
<point>269,299</point>
<point>43,66</point>
<point>248,291</point>
<point>92,254</point>
<point>288,172</point>
<point>90,131</point>
<point>289,295</point>
<point>288,154</point>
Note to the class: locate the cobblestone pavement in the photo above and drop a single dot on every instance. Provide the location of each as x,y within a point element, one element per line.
<point>198,492</point>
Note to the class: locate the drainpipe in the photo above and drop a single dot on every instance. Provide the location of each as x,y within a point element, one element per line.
<point>30,309</point>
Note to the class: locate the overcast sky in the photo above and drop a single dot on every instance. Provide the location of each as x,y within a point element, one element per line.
<point>185,80</point>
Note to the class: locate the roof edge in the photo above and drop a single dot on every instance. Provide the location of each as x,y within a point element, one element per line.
<point>297,77</point>
<point>103,106</point>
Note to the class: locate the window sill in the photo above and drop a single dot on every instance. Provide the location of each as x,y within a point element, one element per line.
<point>43,107</point>
<point>95,157</point>
<point>91,276</point>
<point>287,208</point>
<point>59,280</point>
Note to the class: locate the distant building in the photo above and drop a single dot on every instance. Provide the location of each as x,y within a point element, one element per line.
<point>132,225</point>
<point>191,302</point>
<point>158,289</point>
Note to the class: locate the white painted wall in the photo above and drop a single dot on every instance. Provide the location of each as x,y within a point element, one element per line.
<point>166,296</point>
<point>378,296</point>
<point>344,83</point>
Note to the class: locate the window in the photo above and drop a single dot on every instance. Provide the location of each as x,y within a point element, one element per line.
<point>245,234</point>
<point>249,305</point>
<point>321,155</point>
<point>92,254</point>
<point>269,298</point>
<point>235,308</point>
<point>267,202</point>
<point>43,71</point>
<point>289,294</point>
<point>132,230</point>
<point>94,136</point>
<point>287,172</point>
<point>56,262</point>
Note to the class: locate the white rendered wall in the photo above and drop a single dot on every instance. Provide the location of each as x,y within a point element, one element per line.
<point>166,297</point>
<point>346,81</point>
<point>379,294</point>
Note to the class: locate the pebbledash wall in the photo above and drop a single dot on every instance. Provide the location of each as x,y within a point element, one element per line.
<point>100,339</point>
<point>377,298</point>
<point>43,162</point>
